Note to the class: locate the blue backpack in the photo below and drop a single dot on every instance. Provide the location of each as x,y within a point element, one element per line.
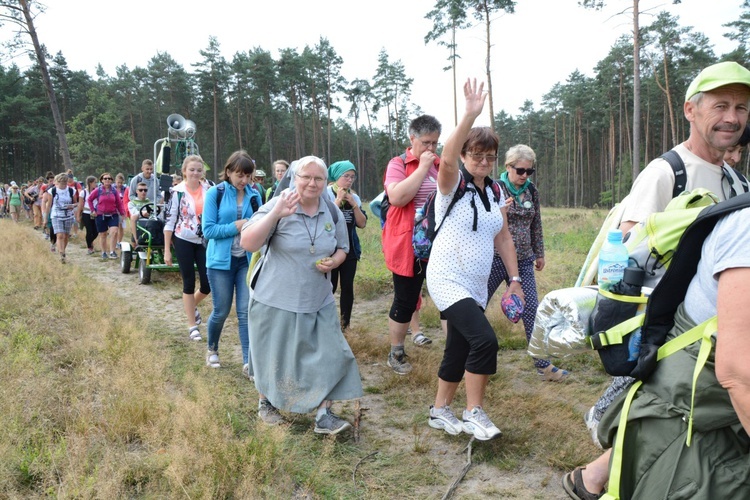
<point>425,228</point>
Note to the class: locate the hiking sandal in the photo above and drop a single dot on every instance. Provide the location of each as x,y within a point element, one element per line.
<point>572,483</point>
<point>420,339</point>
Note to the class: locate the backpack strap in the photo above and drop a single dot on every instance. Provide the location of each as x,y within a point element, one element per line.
<point>678,167</point>
<point>460,191</point>
<point>702,332</point>
<point>220,194</point>
<point>332,209</point>
<point>735,178</point>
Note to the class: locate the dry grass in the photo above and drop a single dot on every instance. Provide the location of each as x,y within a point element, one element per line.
<point>97,401</point>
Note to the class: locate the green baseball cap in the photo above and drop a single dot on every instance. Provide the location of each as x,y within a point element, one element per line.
<point>718,75</point>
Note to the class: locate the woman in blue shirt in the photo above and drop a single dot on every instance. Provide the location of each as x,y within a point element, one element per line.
<point>227,207</point>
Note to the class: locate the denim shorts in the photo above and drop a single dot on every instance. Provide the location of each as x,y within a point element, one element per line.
<point>104,222</point>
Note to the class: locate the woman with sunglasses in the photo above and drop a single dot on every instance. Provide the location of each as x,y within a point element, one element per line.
<point>525,225</point>
<point>106,207</point>
<point>341,176</point>
<point>461,254</point>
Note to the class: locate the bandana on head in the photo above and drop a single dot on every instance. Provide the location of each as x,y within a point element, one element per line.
<point>339,168</point>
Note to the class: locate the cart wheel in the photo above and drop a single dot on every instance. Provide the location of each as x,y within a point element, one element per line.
<point>144,273</point>
<point>126,259</point>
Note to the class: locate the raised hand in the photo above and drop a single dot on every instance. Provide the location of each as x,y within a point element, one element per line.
<point>475,97</point>
<point>287,204</point>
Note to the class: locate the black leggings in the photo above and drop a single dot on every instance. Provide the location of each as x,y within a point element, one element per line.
<point>91,232</point>
<point>189,255</point>
<point>406,292</point>
<point>471,344</point>
<point>347,270</point>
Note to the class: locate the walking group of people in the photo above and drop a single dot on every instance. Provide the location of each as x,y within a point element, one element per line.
<point>280,254</point>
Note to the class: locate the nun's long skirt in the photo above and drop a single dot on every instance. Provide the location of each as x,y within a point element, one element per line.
<point>301,359</point>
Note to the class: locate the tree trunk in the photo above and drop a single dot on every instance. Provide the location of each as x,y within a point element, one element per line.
<point>40,56</point>
<point>636,93</point>
<point>453,66</point>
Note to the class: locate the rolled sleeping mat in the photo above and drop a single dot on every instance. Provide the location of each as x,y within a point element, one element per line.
<point>561,326</point>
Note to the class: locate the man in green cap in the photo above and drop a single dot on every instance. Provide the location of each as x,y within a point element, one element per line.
<point>716,105</point>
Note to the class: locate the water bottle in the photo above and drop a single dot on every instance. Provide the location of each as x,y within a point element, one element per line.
<point>631,284</point>
<point>613,259</point>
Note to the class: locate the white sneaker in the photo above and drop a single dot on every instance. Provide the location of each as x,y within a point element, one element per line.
<point>246,372</point>
<point>443,418</point>
<point>477,422</point>
<point>212,359</point>
<point>592,424</point>
<point>194,333</point>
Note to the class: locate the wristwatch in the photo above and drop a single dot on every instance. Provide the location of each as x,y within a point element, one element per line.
<point>517,279</point>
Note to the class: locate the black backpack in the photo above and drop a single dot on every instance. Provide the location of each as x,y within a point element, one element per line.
<point>425,228</point>
<point>667,296</point>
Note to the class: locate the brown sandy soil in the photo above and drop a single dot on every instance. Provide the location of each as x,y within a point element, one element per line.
<point>162,299</point>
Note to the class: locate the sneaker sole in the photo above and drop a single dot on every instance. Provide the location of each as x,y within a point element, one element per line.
<point>436,423</point>
<point>396,371</point>
<point>271,421</point>
<point>469,429</point>
<point>320,430</point>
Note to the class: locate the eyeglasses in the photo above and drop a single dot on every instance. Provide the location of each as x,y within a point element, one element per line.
<point>479,158</point>
<point>308,178</point>
<point>428,144</point>
<point>524,171</point>
<point>106,178</point>
<point>143,190</point>
<point>351,177</point>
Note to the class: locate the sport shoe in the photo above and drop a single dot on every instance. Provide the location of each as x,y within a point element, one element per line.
<point>421,340</point>
<point>268,413</point>
<point>592,424</point>
<point>246,371</point>
<point>53,248</point>
<point>477,422</point>
<point>112,255</point>
<point>399,363</point>
<point>194,333</point>
<point>330,423</point>
<point>89,251</point>
<point>198,318</point>
<point>62,258</point>
<point>443,418</point>
<point>212,359</point>
<point>104,255</point>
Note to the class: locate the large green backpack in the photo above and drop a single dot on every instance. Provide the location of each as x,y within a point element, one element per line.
<point>659,319</point>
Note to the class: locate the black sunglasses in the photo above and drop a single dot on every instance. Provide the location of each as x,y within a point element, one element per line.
<point>106,178</point>
<point>143,190</point>
<point>522,171</point>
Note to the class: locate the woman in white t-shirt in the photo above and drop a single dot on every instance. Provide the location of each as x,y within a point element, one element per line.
<point>460,263</point>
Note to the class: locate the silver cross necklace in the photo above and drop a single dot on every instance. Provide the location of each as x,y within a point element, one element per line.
<point>314,235</point>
